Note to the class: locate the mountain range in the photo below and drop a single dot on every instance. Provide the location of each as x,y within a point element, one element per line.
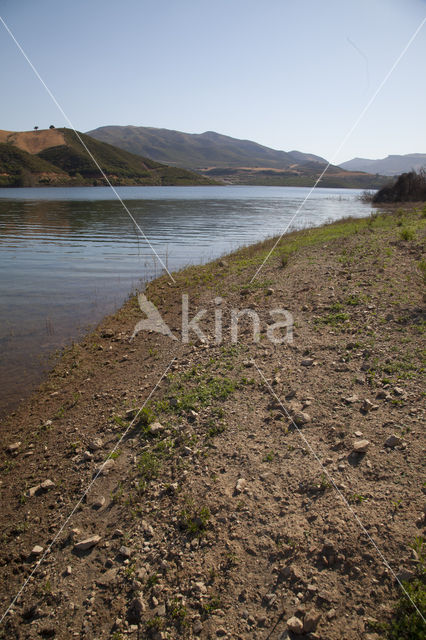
<point>56,157</point>
<point>231,160</point>
<point>391,166</point>
<point>132,155</point>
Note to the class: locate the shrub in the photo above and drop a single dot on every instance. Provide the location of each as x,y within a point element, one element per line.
<point>408,187</point>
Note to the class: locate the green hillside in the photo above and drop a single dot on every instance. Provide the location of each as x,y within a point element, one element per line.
<point>120,166</point>
<point>21,169</point>
<point>70,164</point>
<point>231,160</point>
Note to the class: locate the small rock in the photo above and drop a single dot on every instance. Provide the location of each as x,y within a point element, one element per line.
<point>107,333</point>
<point>197,627</point>
<point>310,621</point>
<point>136,608</point>
<point>351,399</point>
<point>105,468</point>
<point>43,486</point>
<point>37,550</point>
<point>95,444</point>
<point>270,291</point>
<point>12,448</point>
<point>147,529</point>
<point>88,543</point>
<point>240,486</point>
<point>307,362</point>
<point>126,552</point>
<point>300,418</point>
<point>156,428</point>
<point>366,406</point>
<point>97,502</point>
<point>361,446</point>
<point>87,456</point>
<point>47,484</point>
<point>108,578</point>
<point>295,625</point>
<point>399,391</point>
<point>393,441</point>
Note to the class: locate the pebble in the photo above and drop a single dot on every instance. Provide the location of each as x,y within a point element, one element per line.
<point>88,543</point>
<point>105,468</point>
<point>98,502</point>
<point>307,362</point>
<point>240,486</point>
<point>147,529</point>
<point>300,418</point>
<point>311,620</point>
<point>295,625</point>
<point>12,448</point>
<point>361,446</point>
<point>43,486</point>
<point>95,444</point>
<point>37,550</point>
<point>351,399</point>
<point>393,441</point>
<point>125,552</point>
<point>367,406</point>
<point>156,428</point>
<point>197,627</point>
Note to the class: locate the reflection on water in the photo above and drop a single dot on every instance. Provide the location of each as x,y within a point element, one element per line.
<point>69,256</point>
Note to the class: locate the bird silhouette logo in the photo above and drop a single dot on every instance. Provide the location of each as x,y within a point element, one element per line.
<point>153,321</point>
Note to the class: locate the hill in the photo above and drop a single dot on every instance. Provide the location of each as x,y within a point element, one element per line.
<point>21,169</point>
<point>56,156</point>
<point>198,151</point>
<point>229,159</point>
<point>391,166</point>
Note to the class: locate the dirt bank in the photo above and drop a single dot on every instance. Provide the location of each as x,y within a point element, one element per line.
<point>264,489</point>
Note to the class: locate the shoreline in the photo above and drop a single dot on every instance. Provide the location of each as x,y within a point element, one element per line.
<point>217,545</point>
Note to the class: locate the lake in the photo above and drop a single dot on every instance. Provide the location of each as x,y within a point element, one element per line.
<point>70,256</point>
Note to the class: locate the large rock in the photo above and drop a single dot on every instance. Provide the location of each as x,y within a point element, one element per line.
<point>88,543</point>
<point>295,625</point>
<point>361,446</point>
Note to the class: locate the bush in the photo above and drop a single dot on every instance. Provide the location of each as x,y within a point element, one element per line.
<point>408,187</point>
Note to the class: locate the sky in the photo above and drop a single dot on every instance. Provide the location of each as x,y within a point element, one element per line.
<point>289,74</point>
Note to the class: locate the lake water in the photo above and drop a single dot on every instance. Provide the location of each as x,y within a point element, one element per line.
<point>70,256</point>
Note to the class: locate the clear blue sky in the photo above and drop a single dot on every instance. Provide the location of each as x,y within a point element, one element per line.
<point>290,74</point>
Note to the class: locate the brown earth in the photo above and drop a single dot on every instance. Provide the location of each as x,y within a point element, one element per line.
<point>33,141</point>
<point>230,519</point>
